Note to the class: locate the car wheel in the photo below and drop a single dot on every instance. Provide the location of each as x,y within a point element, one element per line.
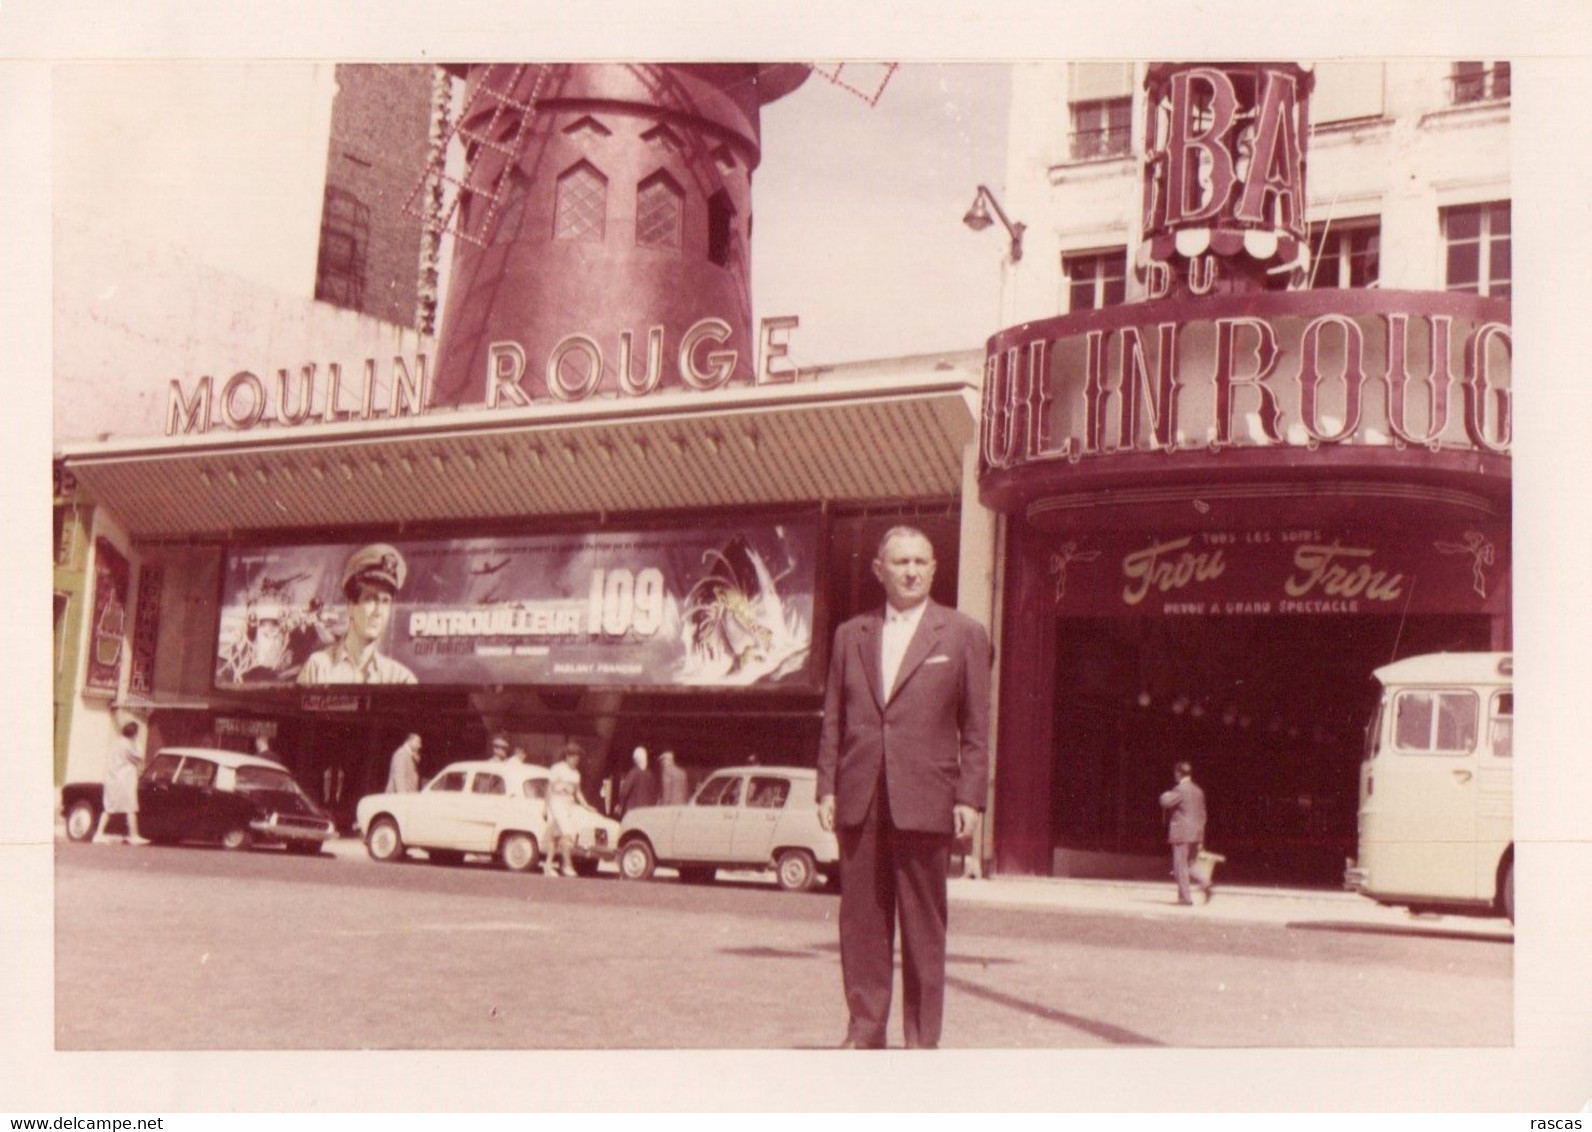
<point>444,857</point>
<point>383,842</point>
<point>518,852</point>
<point>1509,891</point>
<point>81,821</point>
<point>697,874</point>
<point>636,861</point>
<point>237,838</point>
<point>796,870</point>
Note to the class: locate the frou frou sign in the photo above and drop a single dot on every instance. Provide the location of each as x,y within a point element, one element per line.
<point>1282,571</point>
<point>1175,383</point>
<point>574,371</point>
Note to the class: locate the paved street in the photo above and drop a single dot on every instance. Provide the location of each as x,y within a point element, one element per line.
<point>191,948</point>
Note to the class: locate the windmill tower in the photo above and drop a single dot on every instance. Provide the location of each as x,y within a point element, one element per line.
<point>604,219</point>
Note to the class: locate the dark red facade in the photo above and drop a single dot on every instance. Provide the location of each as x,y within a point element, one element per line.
<point>1226,505</point>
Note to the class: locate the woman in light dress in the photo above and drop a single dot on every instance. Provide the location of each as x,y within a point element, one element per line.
<point>563,795</point>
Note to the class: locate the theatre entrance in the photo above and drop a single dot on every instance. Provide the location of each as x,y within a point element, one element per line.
<point>1271,710</point>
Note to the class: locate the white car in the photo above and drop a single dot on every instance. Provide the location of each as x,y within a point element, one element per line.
<point>751,817</point>
<point>493,808</point>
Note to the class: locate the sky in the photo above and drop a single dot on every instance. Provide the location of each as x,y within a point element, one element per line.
<point>858,211</point>
<point>857,205</point>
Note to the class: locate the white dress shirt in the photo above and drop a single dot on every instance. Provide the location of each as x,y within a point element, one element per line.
<point>899,625</point>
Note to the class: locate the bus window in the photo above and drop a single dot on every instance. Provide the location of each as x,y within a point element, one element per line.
<point>1503,725</point>
<point>1435,722</point>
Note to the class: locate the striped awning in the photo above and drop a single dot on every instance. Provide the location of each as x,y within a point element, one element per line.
<point>898,435</point>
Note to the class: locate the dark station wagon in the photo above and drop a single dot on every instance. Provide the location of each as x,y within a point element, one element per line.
<point>222,797</point>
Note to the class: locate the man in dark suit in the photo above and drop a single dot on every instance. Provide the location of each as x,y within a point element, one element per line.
<point>902,768</point>
<point>1185,829</point>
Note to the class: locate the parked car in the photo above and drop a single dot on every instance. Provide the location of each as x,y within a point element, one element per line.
<point>494,808</point>
<point>200,794</point>
<point>752,817</point>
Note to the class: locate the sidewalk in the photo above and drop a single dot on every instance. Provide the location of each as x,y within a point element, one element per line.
<point>1245,903</point>
<point>1321,908</point>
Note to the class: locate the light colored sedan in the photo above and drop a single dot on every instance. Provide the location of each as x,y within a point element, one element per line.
<point>752,817</point>
<point>494,808</point>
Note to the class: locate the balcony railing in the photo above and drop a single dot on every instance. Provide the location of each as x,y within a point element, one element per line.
<point>1106,141</point>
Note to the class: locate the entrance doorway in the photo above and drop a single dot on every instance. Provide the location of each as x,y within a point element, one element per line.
<point>1270,710</point>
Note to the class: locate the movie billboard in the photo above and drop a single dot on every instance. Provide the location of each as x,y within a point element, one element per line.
<point>710,607</point>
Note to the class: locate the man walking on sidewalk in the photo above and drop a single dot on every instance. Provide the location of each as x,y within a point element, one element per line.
<point>1185,831</point>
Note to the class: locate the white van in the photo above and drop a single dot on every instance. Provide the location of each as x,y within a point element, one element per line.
<point>1437,787</point>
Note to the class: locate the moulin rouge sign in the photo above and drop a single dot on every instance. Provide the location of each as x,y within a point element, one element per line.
<point>1215,360</point>
<point>574,370</point>
<point>1318,368</point>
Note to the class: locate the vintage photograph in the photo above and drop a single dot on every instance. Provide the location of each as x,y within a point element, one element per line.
<point>611,556</point>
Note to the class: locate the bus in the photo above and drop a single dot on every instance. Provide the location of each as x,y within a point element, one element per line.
<point>1436,819</point>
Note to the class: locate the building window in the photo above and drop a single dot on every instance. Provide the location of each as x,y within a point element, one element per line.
<point>660,208</point>
<point>1477,238</point>
<point>1478,82</point>
<point>1101,128</point>
<point>1345,254</point>
<point>582,204</point>
<point>1095,279</point>
<point>721,228</point>
<point>345,247</point>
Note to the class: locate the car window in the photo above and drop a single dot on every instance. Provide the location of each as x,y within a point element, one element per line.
<point>451,782</point>
<point>1440,723</point>
<point>536,788</point>
<point>768,793</point>
<point>265,778</point>
<point>724,790</point>
<point>1503,725</point>
<point>164,768</point>
<point>488,784</point>
<point>196,772</point>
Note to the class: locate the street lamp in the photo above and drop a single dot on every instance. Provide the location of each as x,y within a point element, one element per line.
<point>978,219</point>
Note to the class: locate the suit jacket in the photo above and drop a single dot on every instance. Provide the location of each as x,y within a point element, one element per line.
<point>1187,805</point>
<point>638,788</point>
<point>930,734</point>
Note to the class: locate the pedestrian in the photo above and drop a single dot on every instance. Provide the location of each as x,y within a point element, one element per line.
<point>639,787</point>
<point>372,578</point>
<point>674,789</point>
<point>563,795</point>
<point>498,750</point>
<point>403,774</point>
<point>1185,831</point>
<point>262,749</point>
<point>902,768</point>
<point>121,786</point>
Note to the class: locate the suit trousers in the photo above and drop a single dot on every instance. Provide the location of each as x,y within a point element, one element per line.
<point>1181,852</point>
<point>886,873</point>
